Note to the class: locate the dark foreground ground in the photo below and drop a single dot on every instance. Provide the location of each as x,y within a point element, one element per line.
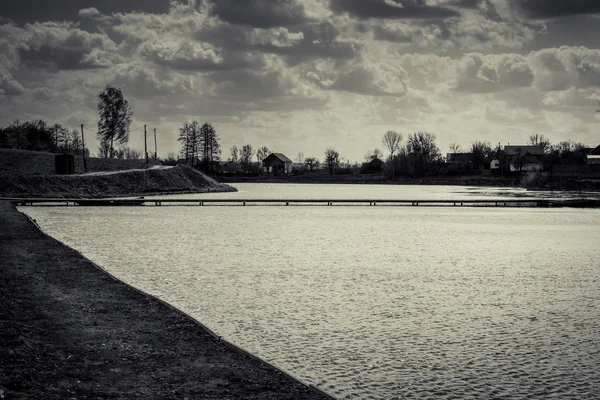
<point>70,331</point>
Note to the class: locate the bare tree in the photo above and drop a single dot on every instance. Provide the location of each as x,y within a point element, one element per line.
<point>376,154</point>
<point>332,159</point>
<point>300,157</point>
<point>569,151</point>
<point>391,140</point>
<point>480,150</point>
<point>262,153</point>
<point>114,117</point>
<point>246,154</point>
<point>185,150</point>
<point>189,136</point>
<point>209,143</point>
<point>422,151</point>
<point>540,140</point>
<point>104,150</point>
<point>234,153</point>
<point>311,162</point>
<point>455,148</point>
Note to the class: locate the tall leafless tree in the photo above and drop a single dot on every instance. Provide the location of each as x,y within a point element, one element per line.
<point>234,153</point>
<point>189,137</point>
<point>246,155</point>
<point>332,159</point>
<point>210,144</point>
<point>422,151</point>
<point>391,140</point>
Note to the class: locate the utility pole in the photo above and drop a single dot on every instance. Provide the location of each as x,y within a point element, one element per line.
<point>145,146</point>
<point>502,162</point>
<point>83,150</point>
<point>155,156</point>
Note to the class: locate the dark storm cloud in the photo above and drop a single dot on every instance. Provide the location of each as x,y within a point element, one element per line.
<point>465,3</point>
<point>61,45</point>
<point>558,8</point>
<point>393,9</point>
<point>22,11</point>
<point>62,59</point>
<point>574,30</point>
<point>259,13</point>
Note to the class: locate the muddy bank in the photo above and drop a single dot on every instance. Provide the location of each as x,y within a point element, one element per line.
<point>179,179</point>
<point>69,330</point>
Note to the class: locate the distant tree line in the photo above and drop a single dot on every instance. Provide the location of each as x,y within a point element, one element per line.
<point>561,153</point>
<point>417,156</point>
<point>37,135</point>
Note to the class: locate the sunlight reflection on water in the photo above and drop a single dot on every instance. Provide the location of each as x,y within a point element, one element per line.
<point>373,302</point>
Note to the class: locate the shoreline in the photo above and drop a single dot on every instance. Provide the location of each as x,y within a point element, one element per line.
<point>566,185</point>
<point>71,330</point>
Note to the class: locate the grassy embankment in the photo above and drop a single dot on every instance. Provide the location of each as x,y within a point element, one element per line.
<point>31,174</point>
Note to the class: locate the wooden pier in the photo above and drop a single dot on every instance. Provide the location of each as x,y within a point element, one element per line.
<point>289,202</point>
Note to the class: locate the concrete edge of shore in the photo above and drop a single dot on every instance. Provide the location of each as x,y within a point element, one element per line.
<point>225,342</point>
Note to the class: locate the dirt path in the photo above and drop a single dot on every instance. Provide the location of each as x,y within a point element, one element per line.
<point>70,331</point>
<point>154,167</point>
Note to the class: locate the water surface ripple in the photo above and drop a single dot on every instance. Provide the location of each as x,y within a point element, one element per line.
<point>374,302</point>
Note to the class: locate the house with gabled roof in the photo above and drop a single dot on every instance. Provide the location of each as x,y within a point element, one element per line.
<point>524,157</point>
<point>523,150</point>
<point>593,157</point>
<point>277,164</point>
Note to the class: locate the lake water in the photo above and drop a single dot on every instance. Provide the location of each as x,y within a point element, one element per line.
<point>381,302</point>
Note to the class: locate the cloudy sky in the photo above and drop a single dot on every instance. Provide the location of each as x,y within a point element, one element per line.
<point>303,75</point>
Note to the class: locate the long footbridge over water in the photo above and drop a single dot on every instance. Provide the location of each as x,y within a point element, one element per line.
<point>517,202</point>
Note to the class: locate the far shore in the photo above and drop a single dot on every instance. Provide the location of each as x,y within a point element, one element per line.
<point>558,185</point>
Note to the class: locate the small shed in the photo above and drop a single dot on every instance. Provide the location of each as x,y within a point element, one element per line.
<point>277,164</point>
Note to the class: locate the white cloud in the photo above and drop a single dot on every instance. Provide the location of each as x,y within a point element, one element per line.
<point>573,97</point>
<point>565,67</point>
<point>91,13</point>
<point>484,73</point>
<point>183,54</point>
<point>9,85</point>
